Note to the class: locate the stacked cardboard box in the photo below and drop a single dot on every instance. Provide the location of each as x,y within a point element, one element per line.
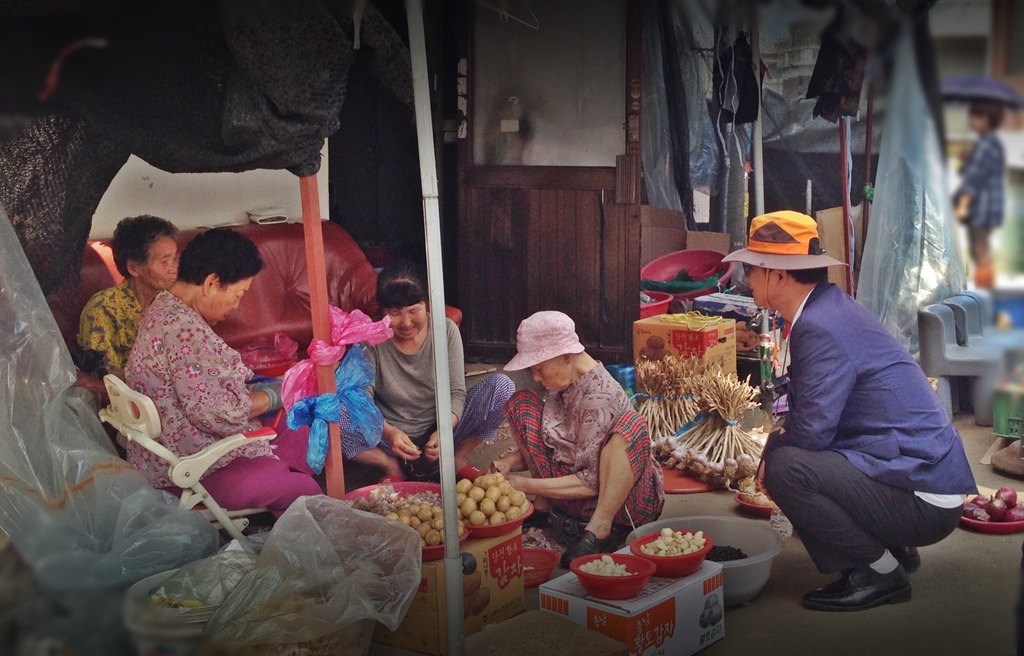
<point>493,592</point>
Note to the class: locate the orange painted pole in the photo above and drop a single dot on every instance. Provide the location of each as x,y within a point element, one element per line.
<point>314,238</point>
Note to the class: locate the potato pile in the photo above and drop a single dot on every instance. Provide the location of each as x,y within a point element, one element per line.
<point>490,499</point>
<point>606,566</point>
<point>675,543</point>
<point>427,519</point>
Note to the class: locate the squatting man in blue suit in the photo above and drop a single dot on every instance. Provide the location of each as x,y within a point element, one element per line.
<point>866,465</point>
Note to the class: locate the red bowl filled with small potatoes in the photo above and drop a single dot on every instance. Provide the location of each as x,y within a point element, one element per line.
<point>671,566</point>
<point>607,586</point>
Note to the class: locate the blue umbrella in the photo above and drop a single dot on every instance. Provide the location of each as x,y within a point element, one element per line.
<point>970,88</point>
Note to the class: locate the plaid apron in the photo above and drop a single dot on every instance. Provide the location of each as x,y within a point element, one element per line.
<point>647,497</point>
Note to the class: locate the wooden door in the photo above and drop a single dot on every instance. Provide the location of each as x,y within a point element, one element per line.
<point>548,219</point>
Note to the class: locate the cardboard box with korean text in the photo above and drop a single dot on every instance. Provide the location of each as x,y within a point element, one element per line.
<point>709,339</point>
<point>492,593</point>
<point>670,617</point>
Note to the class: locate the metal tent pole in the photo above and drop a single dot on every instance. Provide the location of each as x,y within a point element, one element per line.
<point>435,282</point>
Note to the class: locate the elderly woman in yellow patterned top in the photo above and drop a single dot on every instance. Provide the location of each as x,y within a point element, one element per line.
<point>146,254</point>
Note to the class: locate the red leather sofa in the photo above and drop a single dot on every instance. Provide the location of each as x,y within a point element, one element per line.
<point>277,301</point>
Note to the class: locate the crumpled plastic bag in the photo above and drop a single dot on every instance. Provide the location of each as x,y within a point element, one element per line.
<point>85,521</point>
<point>269,352</point>
<point>352,377</point>
<point>208,581</point>
<point>325,574</point>
<point>346,328</point>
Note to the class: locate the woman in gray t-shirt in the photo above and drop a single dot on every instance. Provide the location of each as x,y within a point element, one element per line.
<point>403,388</point>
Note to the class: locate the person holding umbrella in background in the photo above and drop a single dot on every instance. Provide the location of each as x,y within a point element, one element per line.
<point>979,201</point>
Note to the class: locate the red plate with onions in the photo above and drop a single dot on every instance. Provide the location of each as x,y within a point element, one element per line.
<point>998,528</point>
<point>999,512</point>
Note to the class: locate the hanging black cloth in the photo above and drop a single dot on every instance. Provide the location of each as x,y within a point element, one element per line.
<point>735,83</point>
<point>838,72</point>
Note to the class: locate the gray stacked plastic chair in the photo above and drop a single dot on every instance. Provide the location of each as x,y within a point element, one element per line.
<point>941,357</point>
<point>1010,341</point>
<point>986,309</point>
<point>967,318</point>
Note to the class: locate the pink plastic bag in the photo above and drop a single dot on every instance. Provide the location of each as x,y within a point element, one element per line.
<point>270,356</point>
<point>346,328</point>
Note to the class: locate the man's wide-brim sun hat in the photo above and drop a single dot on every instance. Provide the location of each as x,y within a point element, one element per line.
<point>542,336</point>
<point>783,240</point>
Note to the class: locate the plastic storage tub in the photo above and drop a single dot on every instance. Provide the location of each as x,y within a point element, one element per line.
<point>658,305</point>
<point>155,630</point>
<point>742,579</point>
<point>699,263</point>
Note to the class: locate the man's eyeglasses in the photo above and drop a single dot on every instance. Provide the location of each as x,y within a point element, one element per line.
<point>747,269</point>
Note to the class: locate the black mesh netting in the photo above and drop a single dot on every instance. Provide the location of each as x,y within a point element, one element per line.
<point>186,85</point>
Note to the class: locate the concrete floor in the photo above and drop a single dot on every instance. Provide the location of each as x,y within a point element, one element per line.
<point>964,594</point>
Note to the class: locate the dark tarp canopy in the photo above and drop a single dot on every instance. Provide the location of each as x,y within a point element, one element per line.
<point>187,86</point>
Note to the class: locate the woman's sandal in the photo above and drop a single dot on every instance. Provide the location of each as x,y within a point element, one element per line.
<point>591,544</point>
<point>537,519</point>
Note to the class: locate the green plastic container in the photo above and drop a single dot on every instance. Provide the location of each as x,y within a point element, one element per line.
<point>1008,411</point>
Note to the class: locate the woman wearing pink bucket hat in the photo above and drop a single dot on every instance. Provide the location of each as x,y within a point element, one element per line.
<point>587,450</point>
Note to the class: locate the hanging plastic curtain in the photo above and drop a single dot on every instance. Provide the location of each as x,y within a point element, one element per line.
<point>687,78</point>
<point>911,257</point>
<point>84,520</point>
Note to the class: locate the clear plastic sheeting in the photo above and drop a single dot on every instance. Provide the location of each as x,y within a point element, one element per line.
<point>694,35</point>
<point>911,258</point>
<point>325,574</point>
<point>86,522</point>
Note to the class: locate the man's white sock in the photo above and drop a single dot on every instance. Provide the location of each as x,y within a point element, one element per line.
<point>886,563</point>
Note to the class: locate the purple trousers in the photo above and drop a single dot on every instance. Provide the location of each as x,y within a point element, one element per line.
<point>264,482</point>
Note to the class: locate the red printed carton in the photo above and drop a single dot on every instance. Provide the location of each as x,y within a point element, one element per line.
<point>493,592</point>
<point>709,339</point>
<point>669,617</point>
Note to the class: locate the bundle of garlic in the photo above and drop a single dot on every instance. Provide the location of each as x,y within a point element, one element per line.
<point>717,450</point>
<point>669,393</point>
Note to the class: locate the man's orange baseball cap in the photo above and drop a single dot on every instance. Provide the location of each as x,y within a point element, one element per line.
<point>783,240</point>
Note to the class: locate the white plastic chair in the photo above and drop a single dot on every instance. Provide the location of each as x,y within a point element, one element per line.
<point>135,416</point>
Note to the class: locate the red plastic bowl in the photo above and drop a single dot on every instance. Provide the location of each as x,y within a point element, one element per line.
<point>754,509</point>
<point>538,565</point>
<point>614,587</point>
<point>699,263</point>
<point>672,566</point>
<point>494,530</point>
<point>658,305</point>
<point>406,488</point>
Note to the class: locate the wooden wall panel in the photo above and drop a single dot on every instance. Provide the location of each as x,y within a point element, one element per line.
<point>587,243</point>
<point>525,250</point>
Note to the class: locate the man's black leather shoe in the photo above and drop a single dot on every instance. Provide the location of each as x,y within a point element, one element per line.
<point>860,589</point>
<point>908,557</point>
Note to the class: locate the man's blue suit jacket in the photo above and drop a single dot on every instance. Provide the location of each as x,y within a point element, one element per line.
<point>855,390</point>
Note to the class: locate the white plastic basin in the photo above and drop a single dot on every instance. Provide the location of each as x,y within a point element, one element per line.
<point>742,579</point>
